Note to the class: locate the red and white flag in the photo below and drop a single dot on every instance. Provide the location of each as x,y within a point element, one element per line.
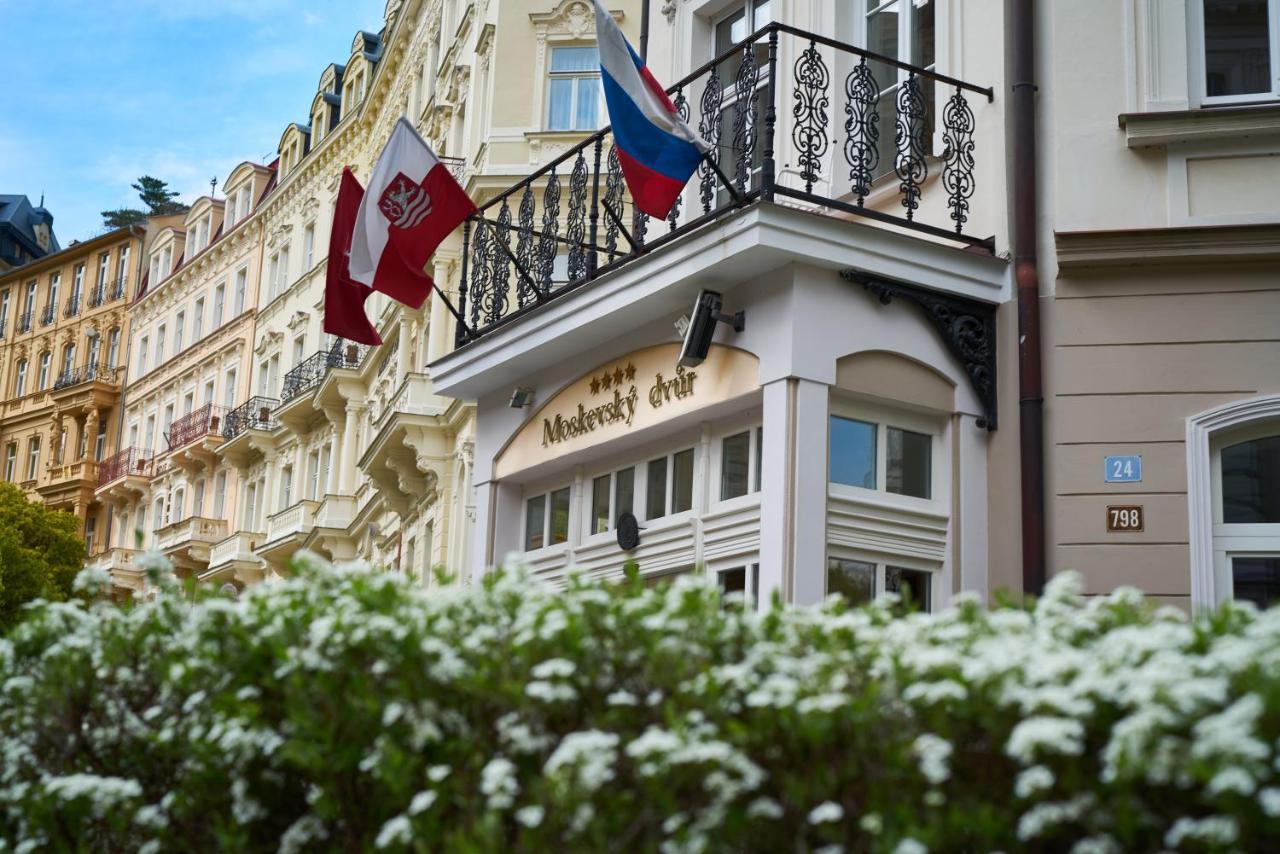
<point>412,203</point>
<point>344,313</point>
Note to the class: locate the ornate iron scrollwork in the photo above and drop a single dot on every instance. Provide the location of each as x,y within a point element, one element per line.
<point>967,327</point>
<point>910,165</point>
<point>525,292</point>
<point>709,129</point>
<point>957,169</point>
<point>576,229</point>
<point>809,132</point>
<point>502,252</point>
<point>744,119</point>
<point>547,243</point>
<point>485,309</point>
<point>682,110</point>
<point>862,128</point>
<point>612,201</point>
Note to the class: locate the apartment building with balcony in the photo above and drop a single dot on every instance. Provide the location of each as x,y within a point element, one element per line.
<point>189,364</point>
<point>64,328</point>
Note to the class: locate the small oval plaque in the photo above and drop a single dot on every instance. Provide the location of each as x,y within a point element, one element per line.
<point>628,531</point>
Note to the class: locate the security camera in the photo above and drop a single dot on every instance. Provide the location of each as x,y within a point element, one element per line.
<point>702,328</point>
<point>521,397</point>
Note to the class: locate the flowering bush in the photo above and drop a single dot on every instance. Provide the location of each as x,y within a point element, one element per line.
<point>346,708</point>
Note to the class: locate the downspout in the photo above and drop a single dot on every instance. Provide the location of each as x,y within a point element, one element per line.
<point>124,367</point>
<point>1026,275</point>
<point>644,29</point>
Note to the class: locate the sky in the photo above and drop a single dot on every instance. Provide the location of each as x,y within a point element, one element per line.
<point>99,92</point>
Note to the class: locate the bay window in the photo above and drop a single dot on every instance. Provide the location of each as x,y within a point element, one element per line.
<point>881,457</point>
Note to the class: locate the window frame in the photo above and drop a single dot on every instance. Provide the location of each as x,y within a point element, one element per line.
<point>1198,66</point>
<point>601,112</point>
<point>883,418</point>
<point>546,495</point>
<point>883,561</point>
<point>1233,540</point>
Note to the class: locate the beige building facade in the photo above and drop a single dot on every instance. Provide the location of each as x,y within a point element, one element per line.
<point>64,330</point>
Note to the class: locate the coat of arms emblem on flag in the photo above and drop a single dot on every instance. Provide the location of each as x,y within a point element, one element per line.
<point>405,202</point>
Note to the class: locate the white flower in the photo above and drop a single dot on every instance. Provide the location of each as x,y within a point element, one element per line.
<point>934,754</point>
<point>764,808</point>
<point>825,812</point>
<point>1045,734</point>
<point>92,581</point>
<point>554,668</point>
<point>103,793</point>
<point>1235,780</point>
<point>871,823</point>
<point>591,752</point>
<point>530,816</point>
<point>397,830</point>
<point>910,846</point>
<point>1032,781</point>
<point>422,801</point>
<point>436,773</point>
<point>498,783</point>
<point>1215,830</point>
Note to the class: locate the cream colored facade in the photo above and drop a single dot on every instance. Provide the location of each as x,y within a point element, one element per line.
<point>64,329</point>
<point>188,369</point>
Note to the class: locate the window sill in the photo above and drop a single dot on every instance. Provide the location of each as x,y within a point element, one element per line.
<point>1208,124</point>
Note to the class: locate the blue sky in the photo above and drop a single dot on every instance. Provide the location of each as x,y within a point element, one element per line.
<point>98,92</point>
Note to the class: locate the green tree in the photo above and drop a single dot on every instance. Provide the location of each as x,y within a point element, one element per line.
<point>155,194</point>
<point>40,553</point>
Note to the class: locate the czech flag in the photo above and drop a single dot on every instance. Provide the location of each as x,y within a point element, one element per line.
<point>657,150</point>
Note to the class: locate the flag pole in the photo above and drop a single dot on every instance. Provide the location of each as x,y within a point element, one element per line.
<point>449,305</point>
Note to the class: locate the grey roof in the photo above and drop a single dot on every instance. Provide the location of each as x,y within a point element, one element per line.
<point>18,219</point>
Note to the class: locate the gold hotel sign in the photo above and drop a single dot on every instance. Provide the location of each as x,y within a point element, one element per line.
<point>630,393</point>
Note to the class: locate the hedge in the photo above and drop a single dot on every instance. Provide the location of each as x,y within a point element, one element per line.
<point>345,708</point>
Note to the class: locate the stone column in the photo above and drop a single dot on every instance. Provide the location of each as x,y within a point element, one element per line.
<point>347,478</point>
<point>271,487</point>
<point>404,347</point>
<point>335,448</point>
<point>440,336</point>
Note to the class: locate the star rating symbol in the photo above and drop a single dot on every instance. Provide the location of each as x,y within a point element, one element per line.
<point>606,381</point>
<point>617,376</point>
<point>631,372</point>
<point>595,385</point>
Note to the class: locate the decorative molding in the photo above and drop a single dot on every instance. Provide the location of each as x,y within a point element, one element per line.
<point>967,327</point>
<point>669,11</point>
<point>1217,124</point>
<point>1204,244</point>
<point>1200,432</point>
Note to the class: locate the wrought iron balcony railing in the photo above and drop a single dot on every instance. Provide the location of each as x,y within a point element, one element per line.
<point>130,461</point>
<point>116,289</point>
<point>195,425</point>
<point>256,413</point>
<point>24,321</point>
<point>85,373</point>
<point>457,167</point>
<point>574,220</point>
<point>72,307</point>
<point>47,316</point>
<point>312,369</point>
<point>98,295</point>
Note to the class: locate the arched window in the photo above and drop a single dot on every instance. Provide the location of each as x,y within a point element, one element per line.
<point>20,379</point>
<point>1233,488</point>
<point>42,379</point>
<point>113,347</point>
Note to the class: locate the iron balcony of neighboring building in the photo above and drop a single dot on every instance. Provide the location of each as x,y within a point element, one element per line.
<point>47,316</point>
<point>297,410</point>
<point>837,158</point>
<point>98,295</point>
<point>24,321</point>
<point>188,542</point>
<point>247,428</point>
<point>117,289</point>
<point>126,476</point>
<point>72,308</point>
<point>194,437</point>
<point>107,375</point>
<point>457,167</point>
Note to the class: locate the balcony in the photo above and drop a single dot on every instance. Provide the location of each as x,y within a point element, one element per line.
<point>233,556</point>
<point>330,533</point>
<point>246,430</point>
<point>286,531</point>
<point>840,160</point>
<point>49,313</point>
<point>188,542</point>
<point>311,370</point>
<point>72,308</point>
<point>120,563</point>
<point>87,373</point>
<point>24,322</point>
<point>98,295</point>
<point>116,289</point>
<point>68,484</point>
<point>194,437</point>
<point>457,167</point>
<point>126,476</point>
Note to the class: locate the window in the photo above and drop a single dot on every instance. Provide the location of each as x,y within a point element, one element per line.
<point>68,360</point>
<point>1239,49</point>
<point>160,336</point>
<point>219,494</point>
<point>10,461</point>
<point>168,419</point>
<point>157,514</point>
<point>286,487</point>
<point>100,442</point>
<point>313,479</point>
<point>113,347</point>
<point>208,391</point>
<point>197,320</point>
<point>655,505</point>
<point>740,464</point>
<point>20,379</point>
<point>904,467</point>
<point>682,481</point>
<point>42,378</point>
<point>547,519</point>
<point>574,91</point>
<point>188,402</point>
<point>308,247</point>
<point>33,457</point>
<point>104,264</point>
<point>299,349</point>
<point>142,357</point>
<point>242,279</point>
<point>122,267</point>
<point>740,580</point>
<point>229,389</point>
<point>151,432</point>
<point>601,492</point>
<point>250,518</point>
<point>4,313</point>
<point>90,528</point>
<point>179,323</point>
<point>95,350</point>
<point>77,290</point>
<point>219,298</point>
<point>860,581</point>
<point>198,502</point>
<point>669,484</point>
<point>903,31</point>
<point>1247,515</point>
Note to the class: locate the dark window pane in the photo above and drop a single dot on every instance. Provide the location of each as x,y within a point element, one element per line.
<point>733,580</point>
<point>624,486</point>
<point>855,580</point>
<point>759,451</point>
<point>655,505</point>
<point>853,452</point>
<point>560,515</point>
<point>1251,482</point>
<point>922,33</point>
<point>600,504</point>
<point>1237,50</point>
<point>907,469</point>
<point>735,454</point>
<point>682,481</point>
<point>535,512</point>
<point>911,584</point>
<point>1256,579</point>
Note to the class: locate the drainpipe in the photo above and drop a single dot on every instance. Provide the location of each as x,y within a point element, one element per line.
<point>644,30</point>
<point>1025,267</point>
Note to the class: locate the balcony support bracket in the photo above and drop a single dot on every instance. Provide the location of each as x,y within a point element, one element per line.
<point>967,328</point>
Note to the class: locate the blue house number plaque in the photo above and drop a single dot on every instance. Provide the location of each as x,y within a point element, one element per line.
<point>1124,469</point>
